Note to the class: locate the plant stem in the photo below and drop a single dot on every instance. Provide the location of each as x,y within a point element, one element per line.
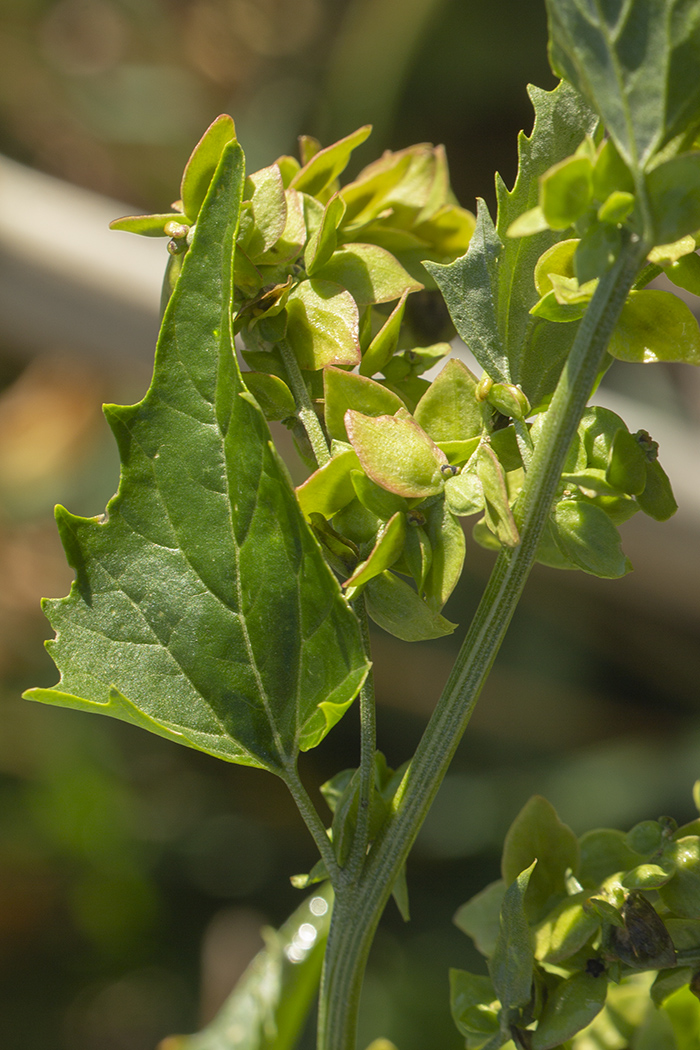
<point>358,910</point>
<point>313,821</point>
<point>522,436</point>
<point>305,409</point>
<point>368,746</point>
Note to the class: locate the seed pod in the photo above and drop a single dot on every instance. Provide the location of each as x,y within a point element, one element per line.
<point>643,943</point>
<point>508,399</point>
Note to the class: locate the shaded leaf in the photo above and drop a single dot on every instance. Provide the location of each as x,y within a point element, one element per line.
<point>657,499</point>
<point>537,833</point>
<point>573,1005</point>
<point>376,499</point>
<point>272,394</point>
<point>370,273</point>
<point>474,1004</point>
<point>323,325</point>
<point>643,942</point>
<point>512,963</point>
<point>271,1001</point>
<point>479,918</point>
<point>396,607</point>
<point>204,552</point>
<point>344,390</point>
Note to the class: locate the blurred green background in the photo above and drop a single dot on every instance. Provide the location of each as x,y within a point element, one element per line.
<point>135,875</point>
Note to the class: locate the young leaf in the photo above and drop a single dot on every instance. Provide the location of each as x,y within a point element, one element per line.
<point>323,325</point>
<point>565,929</point>
<point>656,326</point>
<point>384,553</point>
<point>396,453</point>
<point>371,274</point>
<point>588,538</point>
<point>202,607</point>
<point>499,516</point>
<point>265,219</point>
<point>566,190</point>
<point>200,168</point>
<point>344,390</point>
<point>448,411</point>
<point>464,494</point>
<point>329,488</point>
<point>637,63</point>
<point>380,350</point>
<point>538,834</point>
<point>324,166</point>
<point>325,239</point>
<point>146,225</point>
<point>448,549</point>
<point>277,989</point>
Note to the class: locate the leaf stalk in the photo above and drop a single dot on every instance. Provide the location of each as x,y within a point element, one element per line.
<point>305,409</point>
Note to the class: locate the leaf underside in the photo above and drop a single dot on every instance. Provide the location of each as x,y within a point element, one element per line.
<point>202,607</point>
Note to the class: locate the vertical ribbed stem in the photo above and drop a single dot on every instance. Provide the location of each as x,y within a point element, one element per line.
<point>359,908</point>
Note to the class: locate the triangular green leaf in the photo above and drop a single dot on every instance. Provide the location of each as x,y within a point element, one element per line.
<point>490,290</point>
<point>637,63</point>
<point>188,614</point>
